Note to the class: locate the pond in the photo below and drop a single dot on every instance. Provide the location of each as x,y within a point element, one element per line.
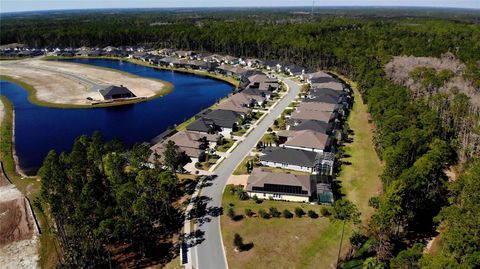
<point>40,129</point>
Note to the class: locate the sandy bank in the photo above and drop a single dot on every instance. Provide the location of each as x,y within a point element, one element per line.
<point>71,83</point>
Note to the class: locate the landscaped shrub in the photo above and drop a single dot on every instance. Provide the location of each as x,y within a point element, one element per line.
<point>249,212</point>
<point>287,214</point>
<point>238,241</point>
<point>299,212</point>
<point>233,216</point>
<point>357,240</point>
<point>256,199</point>
<point>242,195</point>
<point>263,214</point>
<point>312,214</point>
<point>231,213</point>
<point>374,202</point>
<point>325,212</point>
<point>274,212</point>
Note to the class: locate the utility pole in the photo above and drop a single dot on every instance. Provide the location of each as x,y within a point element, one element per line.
<point>311,12</point>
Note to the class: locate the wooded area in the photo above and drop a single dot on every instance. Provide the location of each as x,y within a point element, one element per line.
<point>109,209</point>
<point>411,137</point>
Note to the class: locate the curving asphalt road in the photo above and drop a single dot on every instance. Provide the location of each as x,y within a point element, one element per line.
<point>209,253</point>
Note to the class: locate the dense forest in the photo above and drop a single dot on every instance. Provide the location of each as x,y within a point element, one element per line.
<point>108,207</point>
<point>410,136</point>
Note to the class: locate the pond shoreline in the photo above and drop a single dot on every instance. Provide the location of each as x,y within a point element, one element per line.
<point>15,155</point>
<point>166,89</point>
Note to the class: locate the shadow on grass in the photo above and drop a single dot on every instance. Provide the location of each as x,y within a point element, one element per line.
<point>246,247</point>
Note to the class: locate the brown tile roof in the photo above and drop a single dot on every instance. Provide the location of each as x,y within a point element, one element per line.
<point>260,177</point>
<point>317,106</point>
<point>187,141</point>
<point>309,139</point>
<point>331,85</point>
<point>238,102</point>
<point>312,115</point>
<point>318,74</point>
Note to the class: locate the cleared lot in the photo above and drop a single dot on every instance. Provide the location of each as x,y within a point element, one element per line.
<point>70,83</point>
<point>18,231</point>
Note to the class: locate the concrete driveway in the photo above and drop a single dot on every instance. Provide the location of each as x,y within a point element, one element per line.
<point>209,253</point>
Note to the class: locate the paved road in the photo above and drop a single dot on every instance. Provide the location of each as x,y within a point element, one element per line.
<point>209,254</point>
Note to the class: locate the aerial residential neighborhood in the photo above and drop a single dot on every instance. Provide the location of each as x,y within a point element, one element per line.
<point>268,134</point>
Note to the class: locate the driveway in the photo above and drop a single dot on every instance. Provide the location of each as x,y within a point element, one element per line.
<point>209,253</point>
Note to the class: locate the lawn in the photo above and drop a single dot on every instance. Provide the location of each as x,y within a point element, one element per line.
<point>210,161</point>
<point>240,132</point>
<point>226,146</point>
<point>361,179</point>
<point>279,242</point>
<point>242,168</point>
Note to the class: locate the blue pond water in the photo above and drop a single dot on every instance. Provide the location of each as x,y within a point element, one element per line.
<point>40,129</point>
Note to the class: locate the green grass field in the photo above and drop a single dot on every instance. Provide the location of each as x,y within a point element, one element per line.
<point>279,242</point>
<point>361,179</point>
<point>305,242</point>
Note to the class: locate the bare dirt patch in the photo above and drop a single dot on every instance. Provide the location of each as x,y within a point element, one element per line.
<point>18,230</point>
<point>15,225</point>
<point>70,83</point>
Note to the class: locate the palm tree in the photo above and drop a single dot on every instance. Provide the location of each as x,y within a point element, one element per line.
<point>345,211</point>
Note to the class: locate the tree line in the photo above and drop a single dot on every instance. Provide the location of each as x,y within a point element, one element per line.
<point>105,200</point>
<point>411,138</point>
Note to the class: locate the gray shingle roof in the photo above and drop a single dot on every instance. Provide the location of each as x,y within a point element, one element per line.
<point>314,125</point>
<point>115,90</point>
<point>290,156</point>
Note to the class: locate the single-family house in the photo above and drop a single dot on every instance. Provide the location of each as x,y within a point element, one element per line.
<point>308,76</point>
<point>318,106</point>
<point>183,53</point>
<point>116,92</point>
<point>335,85</point>
<point>250,62</point>
<point>257,92</point>
<point>280,186</point>
<point>314,125</point>
<point>275,66</point>
<point>219,120</point>
<point>327,95</point>
<point>299,160</point>
<point>194,144</point>
<point>305,140</point>
<point>294,70</point>
<point>314,115</point>
<point>227,59</point>
<point>288,158</point>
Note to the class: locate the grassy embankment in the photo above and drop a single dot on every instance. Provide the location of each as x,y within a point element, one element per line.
<point>28,186</point>
<point>305,242</point>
